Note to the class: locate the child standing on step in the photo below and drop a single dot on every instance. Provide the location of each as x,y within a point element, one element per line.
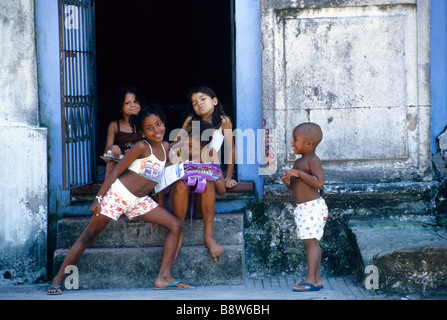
<point>305,179</point>
<point>125,190</point>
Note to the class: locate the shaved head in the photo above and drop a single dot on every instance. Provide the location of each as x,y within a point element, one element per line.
<point>311,131</point>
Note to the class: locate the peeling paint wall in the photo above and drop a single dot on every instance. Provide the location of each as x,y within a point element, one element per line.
<point>23,168</point>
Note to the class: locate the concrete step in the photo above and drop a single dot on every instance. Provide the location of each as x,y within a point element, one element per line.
<point>92,189</point>
<point>103,268</point>
<point>127,254</point>
<point>410,256</point>
<point>235,199</point>
<point>228,230</point>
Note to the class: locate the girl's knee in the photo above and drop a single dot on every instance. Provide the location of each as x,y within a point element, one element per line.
<point>210,187</point>
<point>176,225</point>
<point>180,187</point>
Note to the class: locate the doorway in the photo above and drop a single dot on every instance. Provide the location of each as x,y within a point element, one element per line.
<point>163,48</point>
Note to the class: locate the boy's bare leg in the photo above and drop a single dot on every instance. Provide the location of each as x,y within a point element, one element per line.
<point>205,205</point>
<point>88,236</point>
<point>313,253</point>
<point>318,272</point>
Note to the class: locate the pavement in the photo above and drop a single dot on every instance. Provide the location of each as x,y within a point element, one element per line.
<point>275,288</point>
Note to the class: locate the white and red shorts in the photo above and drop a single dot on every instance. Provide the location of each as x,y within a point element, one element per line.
<point>118,200</point>
<point>310,218</point>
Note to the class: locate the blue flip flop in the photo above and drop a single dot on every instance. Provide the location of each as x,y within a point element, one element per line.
<point>55,288</point>
<point>172,286</point>
<point>310,285</point>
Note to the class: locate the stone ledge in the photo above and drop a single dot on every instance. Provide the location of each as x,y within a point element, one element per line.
<point>370,189</point>
<point>375,199</point>
<point>411,256</point>
<point>92,189</point>
<point>420,268</point>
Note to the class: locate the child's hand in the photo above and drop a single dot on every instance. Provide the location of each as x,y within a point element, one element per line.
<point>286,180</point>
<point>116,151</point>
<point>230,183</point>
<point>95,208</point>
<point>292,173</point>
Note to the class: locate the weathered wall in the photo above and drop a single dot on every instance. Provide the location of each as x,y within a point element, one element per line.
<point>23,168</point>
<point>361,73</point>
<point>360,69</point>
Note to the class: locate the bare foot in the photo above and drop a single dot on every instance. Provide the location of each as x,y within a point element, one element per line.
<point>216,250</point>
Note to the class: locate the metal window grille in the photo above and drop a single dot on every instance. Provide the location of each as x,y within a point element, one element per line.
<point>78,91</point>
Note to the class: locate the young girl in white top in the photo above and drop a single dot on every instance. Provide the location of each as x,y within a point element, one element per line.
<point>207,108</point>
<point>125,190</point>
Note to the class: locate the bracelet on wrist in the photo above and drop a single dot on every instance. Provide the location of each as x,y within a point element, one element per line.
<point>99,198</point>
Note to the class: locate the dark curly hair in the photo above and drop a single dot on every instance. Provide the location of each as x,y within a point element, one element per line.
<point>120,96</point>
<point>136,121</point>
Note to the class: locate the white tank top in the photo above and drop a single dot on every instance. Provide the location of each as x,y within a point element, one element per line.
<point>217,139</point>
<point>150,167</point>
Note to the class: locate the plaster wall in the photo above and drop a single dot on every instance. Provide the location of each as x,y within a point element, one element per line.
<point>360,69</point>
<point>23,168</point>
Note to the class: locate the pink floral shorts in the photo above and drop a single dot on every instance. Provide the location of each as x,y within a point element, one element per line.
<point>310,218</point>
<point>118,200</point>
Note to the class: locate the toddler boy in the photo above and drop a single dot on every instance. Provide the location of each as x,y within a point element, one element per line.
<point>305,179</point>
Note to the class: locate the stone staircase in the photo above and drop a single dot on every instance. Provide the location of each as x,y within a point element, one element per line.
<point>394,232</point>
<point>127,254</point>
<point>410,256</point>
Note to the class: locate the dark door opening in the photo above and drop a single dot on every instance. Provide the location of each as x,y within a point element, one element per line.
<point>163,48</point>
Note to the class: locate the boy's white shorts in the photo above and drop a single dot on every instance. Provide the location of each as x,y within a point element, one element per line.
<point>310,219</point>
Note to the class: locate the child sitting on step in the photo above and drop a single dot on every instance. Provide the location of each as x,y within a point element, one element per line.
<point>125,190</point>
<point>197,149</point>
<point>120,134</point>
